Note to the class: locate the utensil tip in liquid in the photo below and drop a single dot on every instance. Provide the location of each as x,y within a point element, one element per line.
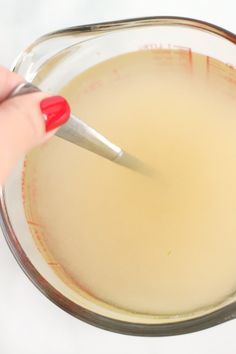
<point>133,163</point>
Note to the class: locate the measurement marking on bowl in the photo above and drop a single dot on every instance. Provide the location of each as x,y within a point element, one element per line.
<point>53,263</point>
<point>34,224</point>
<point>190,56</point>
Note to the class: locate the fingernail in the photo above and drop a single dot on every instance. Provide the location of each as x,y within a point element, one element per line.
<point>56,111</point>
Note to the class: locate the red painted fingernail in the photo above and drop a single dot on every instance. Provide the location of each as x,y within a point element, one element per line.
<point>56,111</point>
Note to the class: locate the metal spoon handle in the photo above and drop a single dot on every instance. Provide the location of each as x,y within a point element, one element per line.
<point>77,131</point>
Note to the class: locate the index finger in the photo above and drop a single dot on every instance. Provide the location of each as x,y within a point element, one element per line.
<point>8,80</point>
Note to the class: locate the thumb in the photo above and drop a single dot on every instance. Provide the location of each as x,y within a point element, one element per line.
<point>27,121</point>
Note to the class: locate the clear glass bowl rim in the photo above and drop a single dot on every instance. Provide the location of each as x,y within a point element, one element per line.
<point>224,314</point>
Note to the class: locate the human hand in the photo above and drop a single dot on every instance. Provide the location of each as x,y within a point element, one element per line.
<point>25,121</point>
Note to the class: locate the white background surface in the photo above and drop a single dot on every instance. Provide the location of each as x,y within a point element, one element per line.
<point>29,323</point>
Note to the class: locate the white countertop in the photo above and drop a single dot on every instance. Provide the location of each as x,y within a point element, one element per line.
<point>30,323</point>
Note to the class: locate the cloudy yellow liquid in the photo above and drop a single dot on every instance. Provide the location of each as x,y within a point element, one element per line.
<point>156,245</point>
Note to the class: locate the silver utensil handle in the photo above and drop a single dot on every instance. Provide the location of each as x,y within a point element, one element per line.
<point>22,89</point>
<point>77,131</point>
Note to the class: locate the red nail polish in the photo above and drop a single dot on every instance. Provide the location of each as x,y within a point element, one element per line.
<point>56,111</point>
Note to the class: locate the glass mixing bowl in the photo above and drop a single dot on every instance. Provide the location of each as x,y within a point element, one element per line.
<point>51,62</point>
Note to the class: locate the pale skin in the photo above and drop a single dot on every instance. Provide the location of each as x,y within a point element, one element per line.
<point>21,123</point>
